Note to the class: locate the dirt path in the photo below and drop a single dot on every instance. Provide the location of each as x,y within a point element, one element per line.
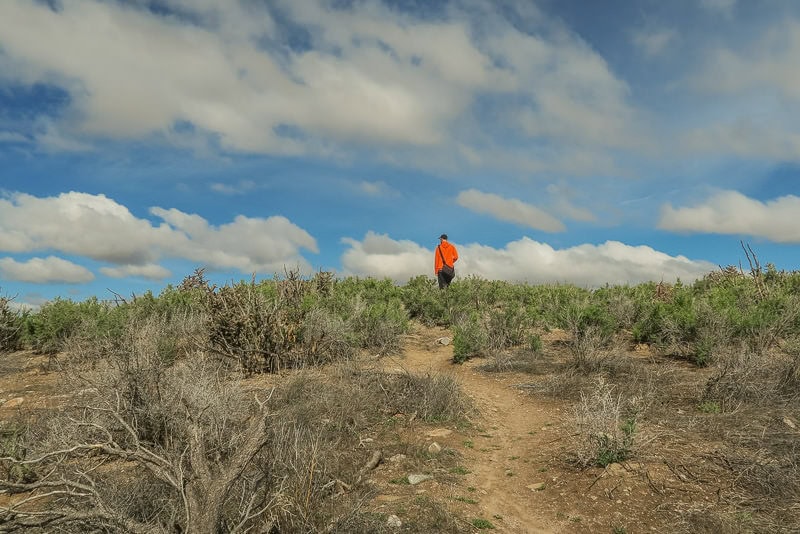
<point>506,455</point>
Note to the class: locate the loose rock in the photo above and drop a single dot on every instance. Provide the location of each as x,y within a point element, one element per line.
<point>394,522</point>
<point>417,479</point>
<point>13,403</point>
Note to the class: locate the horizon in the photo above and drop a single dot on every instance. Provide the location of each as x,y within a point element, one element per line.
<point>554,141</point>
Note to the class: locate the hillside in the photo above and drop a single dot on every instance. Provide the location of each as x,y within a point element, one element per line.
<point>514,464</point>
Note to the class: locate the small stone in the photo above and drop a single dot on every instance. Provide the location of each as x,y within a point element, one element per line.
<point>434,448</point>
<point>616,470</point>
<point>417,479</point>
<point>539,486</point>
<point>443,341</point>
<point>394,522</point>
<point>788,422</point>
<point>397,458</point>
<point>13,403</point>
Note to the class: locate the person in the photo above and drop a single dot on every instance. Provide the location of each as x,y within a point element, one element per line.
<point>444,261</point>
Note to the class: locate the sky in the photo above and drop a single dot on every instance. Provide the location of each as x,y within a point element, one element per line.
<point>554,141</point>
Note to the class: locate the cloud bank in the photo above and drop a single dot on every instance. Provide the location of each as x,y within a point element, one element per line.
<point>730,212</point>
<point>98,228</point>
<point>524,260</point>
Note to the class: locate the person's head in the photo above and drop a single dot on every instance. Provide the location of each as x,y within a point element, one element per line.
<point>443,237</point>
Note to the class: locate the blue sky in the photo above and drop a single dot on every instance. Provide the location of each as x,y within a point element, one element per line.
<point>553,140</point>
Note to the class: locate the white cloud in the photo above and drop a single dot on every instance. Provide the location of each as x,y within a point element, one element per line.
<point>562,203</point>
<point>151,271</point>
<point>379,256</point>
<point>755,85</point>
<point>771,63</point>
<point>525,261</point>
<point>511,210</point>
<point>372,76</point>
<point>240,188</point>
<point>97,227</point>
<point>745,138</point>
<point>44,270</point>
<point>654,43</point>
<point>730,212</point>
<point>247,244</point>
<point>376,189</point>
<point>574,94</point>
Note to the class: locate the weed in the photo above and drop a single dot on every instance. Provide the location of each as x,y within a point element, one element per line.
<point>482,524</point>
<point>608,432</point>
<point>709,407</point>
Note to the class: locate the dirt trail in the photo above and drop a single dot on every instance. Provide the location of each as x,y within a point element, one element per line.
<point>507,453</point>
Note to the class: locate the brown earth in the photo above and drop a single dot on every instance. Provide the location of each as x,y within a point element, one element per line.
<point>517,452</point>
<point>513,459</point>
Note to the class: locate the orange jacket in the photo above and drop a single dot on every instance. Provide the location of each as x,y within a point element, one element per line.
<point>450,255</point>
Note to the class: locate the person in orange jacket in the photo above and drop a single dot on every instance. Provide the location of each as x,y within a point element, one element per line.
<point>444,261</point>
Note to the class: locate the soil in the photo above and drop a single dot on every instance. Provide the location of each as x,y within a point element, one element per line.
<point>517,456</point>
<point>515,473</point>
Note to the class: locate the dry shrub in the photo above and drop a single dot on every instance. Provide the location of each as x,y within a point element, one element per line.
<point>349,397</point>
<point>520,360</point>
<point>743,376</point>
<point>326,337</point>
<point>566,384</point>
<point>606,423</point>
<point>178,444</point>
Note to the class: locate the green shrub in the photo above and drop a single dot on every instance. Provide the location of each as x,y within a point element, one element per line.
<point>47,330</point>
<point>424,302</point>
<point>11,326</point>
<point>381,325</point>
<point>470,338</point>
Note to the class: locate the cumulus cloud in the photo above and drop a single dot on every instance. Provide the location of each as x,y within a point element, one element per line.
<point>150,271</point>
<point>44,270</point>
<point>374,76</point>
<point>380,256</point>
<point>525,261</point>
<point>97,227</point>
<point>730,212</point>
<point>511,210</point>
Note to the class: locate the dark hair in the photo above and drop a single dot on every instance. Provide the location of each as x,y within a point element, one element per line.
<point>443,236</point>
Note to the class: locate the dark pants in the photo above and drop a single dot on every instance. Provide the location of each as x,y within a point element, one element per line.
<point>444,280</point>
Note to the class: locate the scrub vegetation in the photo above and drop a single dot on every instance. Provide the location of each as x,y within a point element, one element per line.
<point>244,408</point>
